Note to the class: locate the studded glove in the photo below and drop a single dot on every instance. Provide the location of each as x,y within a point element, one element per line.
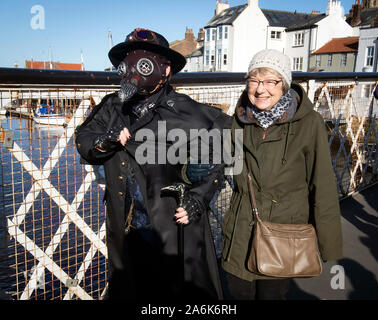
<point>109,139</point>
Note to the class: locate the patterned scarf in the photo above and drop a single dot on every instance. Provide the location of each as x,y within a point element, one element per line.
<point>267,118</point>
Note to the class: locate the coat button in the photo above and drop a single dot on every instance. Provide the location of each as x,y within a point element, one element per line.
<point>120,178</point>
<point>215,181</point>
<point>123,163</point>
<point>120,193</point>
<point>78,145</point>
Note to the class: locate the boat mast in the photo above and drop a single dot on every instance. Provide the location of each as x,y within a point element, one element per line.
<point>50,54</point>
<point>110,37</point>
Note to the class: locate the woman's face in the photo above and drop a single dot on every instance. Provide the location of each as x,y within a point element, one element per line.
<point>264,89</point>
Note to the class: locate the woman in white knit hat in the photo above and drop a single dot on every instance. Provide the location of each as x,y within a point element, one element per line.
<point>286,151</point>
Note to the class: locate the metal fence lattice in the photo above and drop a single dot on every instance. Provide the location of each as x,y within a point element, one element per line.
<point>52,226</point>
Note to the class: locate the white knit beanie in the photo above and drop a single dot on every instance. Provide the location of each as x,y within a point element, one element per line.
<point>274,59</point>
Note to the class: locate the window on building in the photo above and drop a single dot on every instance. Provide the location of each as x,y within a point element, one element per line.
<point>317,60</point>
<point>225,56</point>
<point>207,57</point>
<point>212,58</point>
<point>226,32</point>
<point>275,35</point>
<point>343,60</point>
<point>213,34</point>
<point>220,33</point>
<point>369,57</point>
<point>366,90</point>
<point>219,59</point>
<point>299,39</point>
<point>207,34</point>
<point>329,62</point>
<point>297,64</point>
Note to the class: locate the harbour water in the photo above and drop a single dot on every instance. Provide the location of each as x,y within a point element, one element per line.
<point>39,214</point>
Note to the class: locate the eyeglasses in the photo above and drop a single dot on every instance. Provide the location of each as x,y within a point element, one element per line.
<point>142,35</point>
<point>268,84</point>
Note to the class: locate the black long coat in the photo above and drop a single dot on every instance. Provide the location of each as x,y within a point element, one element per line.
<point>140,267</point>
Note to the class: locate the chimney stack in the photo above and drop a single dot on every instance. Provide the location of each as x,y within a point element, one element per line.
<point>356,14</point>
<point>253,3</point>
<point>201,35</point>
<point>334,8</point>
<point>221,6</point>
<point>189,34</point>
<point>374,23</point>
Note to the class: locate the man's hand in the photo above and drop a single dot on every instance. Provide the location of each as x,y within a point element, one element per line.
<point>181,216</point>
<point>190,210</point>
<point>117,134</point>
<point>124,135</point>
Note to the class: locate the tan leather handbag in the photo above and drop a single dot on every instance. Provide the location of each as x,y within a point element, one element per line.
<point>282,250</point>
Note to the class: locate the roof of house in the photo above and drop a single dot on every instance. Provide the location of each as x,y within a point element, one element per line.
<point>276,18</point>
<point>31,64</point>
<point>196,53</point>
<point>291,20</point>
<point>183,46</point>
<point>227,16</point>
<point>335,45</point>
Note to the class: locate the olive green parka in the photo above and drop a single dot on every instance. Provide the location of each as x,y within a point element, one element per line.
<point>293,179</point>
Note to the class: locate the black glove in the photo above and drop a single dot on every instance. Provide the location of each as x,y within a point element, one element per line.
<point>192,206</point>
<point>108,140</point>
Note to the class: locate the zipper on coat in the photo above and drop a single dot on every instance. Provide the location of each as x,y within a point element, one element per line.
<point>265,131</point>
<point>284,160</point>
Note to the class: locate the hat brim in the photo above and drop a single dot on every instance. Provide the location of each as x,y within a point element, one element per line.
<point>119,51</point>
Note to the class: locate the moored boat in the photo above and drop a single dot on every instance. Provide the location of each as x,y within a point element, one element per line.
<point>45,116</point>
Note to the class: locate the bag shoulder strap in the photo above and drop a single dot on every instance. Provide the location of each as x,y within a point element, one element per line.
<point>252,197</point>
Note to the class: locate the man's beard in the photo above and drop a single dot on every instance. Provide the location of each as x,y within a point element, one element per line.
<point>126,91</point>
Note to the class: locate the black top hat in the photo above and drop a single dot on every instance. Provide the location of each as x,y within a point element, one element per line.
<point>147,40</point>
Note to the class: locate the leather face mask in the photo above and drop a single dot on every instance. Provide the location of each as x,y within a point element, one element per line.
<point>142,72</point>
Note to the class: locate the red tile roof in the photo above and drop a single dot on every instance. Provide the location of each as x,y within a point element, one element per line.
<point>31,64</point>
<point>348,44</point>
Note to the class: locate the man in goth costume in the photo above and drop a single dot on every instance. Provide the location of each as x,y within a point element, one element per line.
<point>141,222</point>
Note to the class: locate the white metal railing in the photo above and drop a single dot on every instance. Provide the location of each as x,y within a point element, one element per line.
<point>53,204</point>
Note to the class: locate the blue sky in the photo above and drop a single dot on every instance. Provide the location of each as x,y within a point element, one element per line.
<point>72,26</point>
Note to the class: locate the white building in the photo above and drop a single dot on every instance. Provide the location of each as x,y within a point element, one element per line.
<point>235,34</point>
<point>302,40</point>
<point>194,61</point>
<point>365,20</point>
<point>367,50</point>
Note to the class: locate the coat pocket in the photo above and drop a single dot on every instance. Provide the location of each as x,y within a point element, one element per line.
<point>291,209</point>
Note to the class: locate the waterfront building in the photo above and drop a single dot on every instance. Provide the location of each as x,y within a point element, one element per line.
<point>234,34</point>
<point>337,55</point>
<point>52,65</point>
